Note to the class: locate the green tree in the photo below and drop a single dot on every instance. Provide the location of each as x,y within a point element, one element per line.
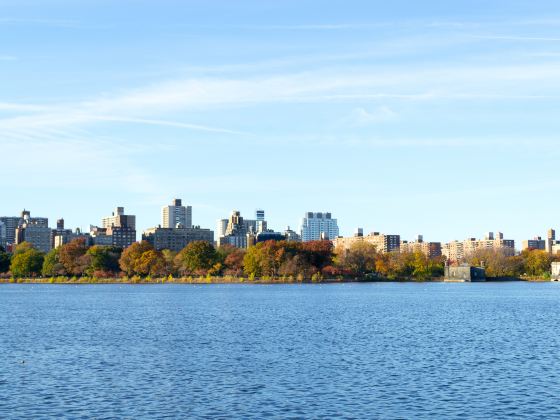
<point>52,265</point>
<point>5,260</point>
<point>251,262</point>
<point>103,260</point>
<point>26,261</point>
<point>196,257</point>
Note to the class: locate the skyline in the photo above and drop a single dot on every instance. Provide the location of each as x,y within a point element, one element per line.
<point>271,227</point>
<point>410,119</point>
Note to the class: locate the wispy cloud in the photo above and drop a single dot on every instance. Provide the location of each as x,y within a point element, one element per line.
<point>517,38</point>
<point>62,23</point>
<point>363,117</point>
<point>146,105</point>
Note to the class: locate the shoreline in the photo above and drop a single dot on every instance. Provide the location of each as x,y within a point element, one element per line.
<point>238,280</point>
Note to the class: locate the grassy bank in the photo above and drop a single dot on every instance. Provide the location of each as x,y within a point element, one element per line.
<point>169,280</point>
<point>230,280</point>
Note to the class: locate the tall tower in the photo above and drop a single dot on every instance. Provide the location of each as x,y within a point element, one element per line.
<point>550,240</point>
<point>176,214</point>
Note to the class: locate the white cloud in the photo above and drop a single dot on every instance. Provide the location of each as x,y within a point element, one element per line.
<point>362,117</point>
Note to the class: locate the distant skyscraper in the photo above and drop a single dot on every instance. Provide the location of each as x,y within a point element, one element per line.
<point>259,215</point>
<point>176,214</point>
<point>550,240</point>
<point>315,226</point>
<point>221,227</point>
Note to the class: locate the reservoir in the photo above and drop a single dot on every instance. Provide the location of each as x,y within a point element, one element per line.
<point>371,350</point>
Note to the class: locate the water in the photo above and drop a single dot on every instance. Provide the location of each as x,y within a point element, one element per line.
<point>296,351</point>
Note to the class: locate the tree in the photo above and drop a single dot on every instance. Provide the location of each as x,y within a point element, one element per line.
<point>198,256</point>
<point>169,260</point>
<point>318,253</point>
<point>52,265</point>
<point>73,257</point>
<point>142,259</point>
<point>231,259</point>
<point>536,262</point>
<point>359,259</point>
<point>103,260</point>
<point>5,260</point>
<point>497,263</point>
<point>26,261</point>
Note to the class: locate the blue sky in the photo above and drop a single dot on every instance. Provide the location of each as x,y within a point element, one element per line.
<point>432,117</point>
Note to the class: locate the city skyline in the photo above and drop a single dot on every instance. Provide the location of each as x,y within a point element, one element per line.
<point>402,118</point>
<point>520,243</point>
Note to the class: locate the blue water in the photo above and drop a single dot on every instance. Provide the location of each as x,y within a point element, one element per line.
<point>281,351</point>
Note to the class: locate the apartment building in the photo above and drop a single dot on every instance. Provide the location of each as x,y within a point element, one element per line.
<point>382,242</point>
<point>318,226</point>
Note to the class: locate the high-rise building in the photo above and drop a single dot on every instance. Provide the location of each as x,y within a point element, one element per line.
<point>317,226</point>
<point>2,235</point>
<point>234,231</point>
<point>550,240</point>
<point>176,215</point>
<point>38,235</point>
<point>118,230</point>
<point>12,223</point>
<point>221,227</point>
<point>119,219</point>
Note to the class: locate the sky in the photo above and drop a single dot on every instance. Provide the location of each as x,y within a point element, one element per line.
<point>412,117</point>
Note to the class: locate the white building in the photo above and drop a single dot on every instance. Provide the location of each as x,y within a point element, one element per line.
<point>317,226</point>
<point>176,214</point>
<point>555,269</point>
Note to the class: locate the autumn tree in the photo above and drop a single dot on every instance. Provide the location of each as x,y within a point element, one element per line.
<point>497,263</point>
<point>142,259</point>
<point>359,259</point>
<point>232,259</point>
<point>73,257</point>
<point>536,262</point>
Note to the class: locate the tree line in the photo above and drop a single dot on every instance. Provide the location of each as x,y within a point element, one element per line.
<point>315,260</point>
